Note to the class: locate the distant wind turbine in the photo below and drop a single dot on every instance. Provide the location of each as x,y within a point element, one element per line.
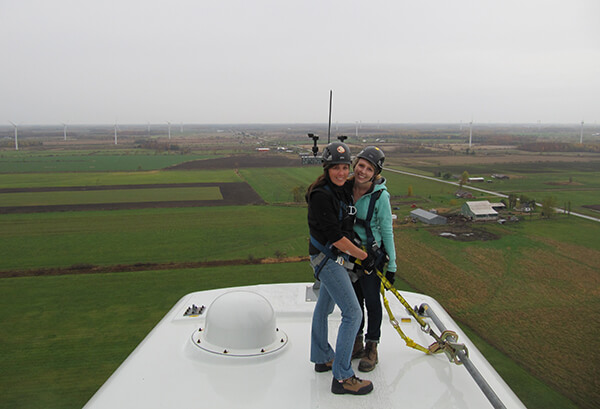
<point>16,135</point>
<point>470,133</point>
<point>116,136</point>
<point>581,134</point>
<point>169,129</point>
<point>65,131</point>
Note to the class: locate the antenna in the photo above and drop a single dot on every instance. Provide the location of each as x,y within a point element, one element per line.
<point>329,128</point>
<point>169,129</point>
<point>16,135</point>
<point>581,134</point>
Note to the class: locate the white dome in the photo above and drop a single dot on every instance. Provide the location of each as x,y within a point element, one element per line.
<point>240,323</point>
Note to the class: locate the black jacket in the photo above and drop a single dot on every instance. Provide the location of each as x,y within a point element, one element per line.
<point>330,214</point>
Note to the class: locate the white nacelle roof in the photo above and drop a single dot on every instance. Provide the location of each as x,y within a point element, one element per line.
<point>256,355</point>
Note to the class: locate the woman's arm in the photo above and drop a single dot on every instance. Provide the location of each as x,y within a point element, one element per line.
<point>384,218</point>
<point>344,244</point>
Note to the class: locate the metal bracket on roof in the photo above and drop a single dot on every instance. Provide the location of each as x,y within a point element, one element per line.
<point>194,310</point>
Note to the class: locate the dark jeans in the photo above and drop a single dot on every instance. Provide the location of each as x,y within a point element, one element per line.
<point>367,289</point>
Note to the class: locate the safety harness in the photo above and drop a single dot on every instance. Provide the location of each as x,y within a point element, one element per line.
<point>366,222</point>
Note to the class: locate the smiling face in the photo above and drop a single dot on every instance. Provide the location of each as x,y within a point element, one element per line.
<point>363,171</point>
<point>338,174</point>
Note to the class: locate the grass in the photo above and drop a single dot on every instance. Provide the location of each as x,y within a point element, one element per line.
<point>530,286</point>
<point>41,162</point>
<point>532,392</point>
<point>576,184</point>
<point>26,180</point>
<point>41,240</point>
<point>276,185</point>
<point>109,196</point>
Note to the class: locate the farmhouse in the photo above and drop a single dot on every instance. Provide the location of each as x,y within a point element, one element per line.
<point>463,194</point>
<point>427,217</point>
<point>481,210</point>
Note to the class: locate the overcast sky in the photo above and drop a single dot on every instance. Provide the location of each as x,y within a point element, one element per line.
<point>275,61</point>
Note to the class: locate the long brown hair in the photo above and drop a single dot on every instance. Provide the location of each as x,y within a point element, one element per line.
<point>320,181</point>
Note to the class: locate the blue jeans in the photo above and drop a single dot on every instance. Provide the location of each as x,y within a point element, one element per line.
<point>368,291</point>
<point>336,288</point>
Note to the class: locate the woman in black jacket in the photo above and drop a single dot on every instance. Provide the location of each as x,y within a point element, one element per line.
<point>331,219</point>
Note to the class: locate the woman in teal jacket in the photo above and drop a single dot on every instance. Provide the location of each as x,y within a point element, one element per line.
<point>374,227</point>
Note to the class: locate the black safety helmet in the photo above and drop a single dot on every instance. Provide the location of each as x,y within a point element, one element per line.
<point>336,153</point>
<point>374,155</point>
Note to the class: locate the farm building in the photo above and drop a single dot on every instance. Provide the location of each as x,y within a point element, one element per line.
<point>475,179</point>
<point>427,217</point>
<point>309,159</point>
<point>463,194</point>
<point>479,211</point>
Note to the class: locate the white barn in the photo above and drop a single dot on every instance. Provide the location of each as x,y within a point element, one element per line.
<point>481,210</point>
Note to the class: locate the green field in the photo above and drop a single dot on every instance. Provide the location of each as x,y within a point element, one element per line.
<point>92,161</point>
<point>39,240</point>
<point>571,184</point>
<point>529,295</point>
<point>64,179</point>
<point>109,196</point>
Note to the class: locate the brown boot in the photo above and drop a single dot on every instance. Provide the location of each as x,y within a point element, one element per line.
<point>367,364</point>
<point>358,351</point>
<point>352,385</point>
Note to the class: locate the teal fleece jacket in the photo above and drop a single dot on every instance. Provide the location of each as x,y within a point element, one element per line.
<point>381,223</point>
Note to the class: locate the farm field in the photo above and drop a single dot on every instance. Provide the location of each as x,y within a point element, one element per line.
<point>108,195</point>
<point>571,184</point>
<point>535,281</point>
<point>92,161</point>
<point>532,283</point>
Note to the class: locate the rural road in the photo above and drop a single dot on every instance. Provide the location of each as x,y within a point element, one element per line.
<point>489,192</point>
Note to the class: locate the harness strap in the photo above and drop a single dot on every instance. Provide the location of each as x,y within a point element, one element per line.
<point>326,252</point>
<point>366,222</point>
